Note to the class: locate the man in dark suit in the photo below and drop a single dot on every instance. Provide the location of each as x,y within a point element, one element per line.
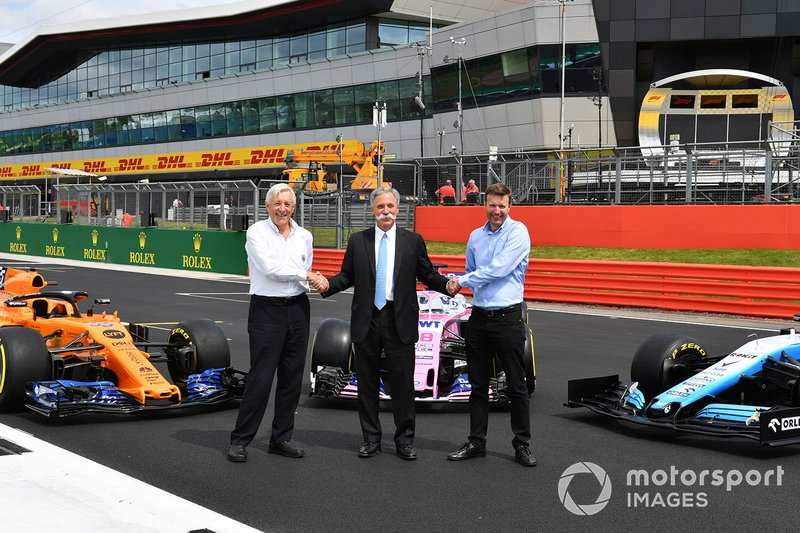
<point>384,317</point>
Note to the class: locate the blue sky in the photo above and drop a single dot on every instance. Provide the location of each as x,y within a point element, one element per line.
<point>18,18</point>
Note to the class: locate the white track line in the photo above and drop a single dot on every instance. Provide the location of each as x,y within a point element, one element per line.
<point>52,488</point>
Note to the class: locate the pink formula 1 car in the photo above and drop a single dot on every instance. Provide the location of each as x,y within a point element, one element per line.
<point>441,368</point>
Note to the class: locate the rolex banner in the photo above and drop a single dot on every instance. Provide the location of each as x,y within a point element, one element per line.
<point>200,250</point>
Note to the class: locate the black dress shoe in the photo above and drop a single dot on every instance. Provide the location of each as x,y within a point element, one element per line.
<point>406,451</point>
<point>237,453</point>
<point>524,456</point>
<point>285,448</point>
<point>369,449</point>
<point>468,450</point>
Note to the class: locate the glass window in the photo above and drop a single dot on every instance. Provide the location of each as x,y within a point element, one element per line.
<point>356,38</point>
<point>408,89</point>
<point>284,107</point>
<point>418,34</point>
<point>219,125</point>
<point>488,84</point>
<point>203,120</point>
<point>174,125</point>
<point>392,33</point>
<point>250,116</point>
<point>316,46</point>
<point>267,115</point>
<point>280,52</point>
<point>365,100</point>
<point>337,41</point>
<point>323,108</point>
<point>233,116</point>
<point>445,87</point>
<point>298,49</point>
<point>516,77</point>
<point>160,126</point>
<point>188,123</point>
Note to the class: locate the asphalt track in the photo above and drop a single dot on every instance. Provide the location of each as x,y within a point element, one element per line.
<point>331,489</point>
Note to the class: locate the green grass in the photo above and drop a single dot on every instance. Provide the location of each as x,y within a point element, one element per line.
<point>326,237</point>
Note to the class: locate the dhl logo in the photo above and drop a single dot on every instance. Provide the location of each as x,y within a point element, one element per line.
<point>131,163</point>
<point>31,170</point>
<point>6,172</point>
<point>265,157</point>
<point>95,166</point>
<point>655,98</point>
<point>778,96</point>
<point>325,147</point>
<point>218,159</point>
<point>713,100</point>
<point>172,161</point>
<point>61,165</point>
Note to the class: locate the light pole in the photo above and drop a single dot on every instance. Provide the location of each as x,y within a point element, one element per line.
<point>339,202</point>
<point>460,121</point>
<point>379,121</point>
<point>560,192</point>
<point>598,101</point>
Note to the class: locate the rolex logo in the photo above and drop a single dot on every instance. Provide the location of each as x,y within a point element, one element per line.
<point>94,237</point>
<point>197,242</point>
<point>142,239</point>
<point>19,233</point>
<point>55,235</point>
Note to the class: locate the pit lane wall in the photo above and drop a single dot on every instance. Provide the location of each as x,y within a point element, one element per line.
<point>767,226</point>
<point>192,250</point>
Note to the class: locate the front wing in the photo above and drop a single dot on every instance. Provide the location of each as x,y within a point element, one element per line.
<point>607,395</point>
<point>61,398</point>
<point>333,382</point>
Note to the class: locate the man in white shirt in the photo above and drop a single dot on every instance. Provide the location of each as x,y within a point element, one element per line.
<point>279,255</point>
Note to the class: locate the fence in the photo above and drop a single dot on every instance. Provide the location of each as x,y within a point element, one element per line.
<point>740,290</point>
<point>738,173</point>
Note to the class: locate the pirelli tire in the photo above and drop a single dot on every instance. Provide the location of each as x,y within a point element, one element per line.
<point>332,346</point>
<point>196,346</point>
<point>662,361</point>
<point>23,358</point>
<point>529,360</point>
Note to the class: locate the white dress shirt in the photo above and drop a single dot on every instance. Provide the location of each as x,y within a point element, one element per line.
<point>391,240</point>
<point>278,266</point>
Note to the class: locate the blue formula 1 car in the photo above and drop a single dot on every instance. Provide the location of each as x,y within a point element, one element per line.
<point>752,392</point>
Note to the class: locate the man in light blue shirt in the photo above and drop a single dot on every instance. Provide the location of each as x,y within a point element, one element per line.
<point>497,259</point>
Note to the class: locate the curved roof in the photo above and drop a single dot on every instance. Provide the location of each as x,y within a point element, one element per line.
<point>54,50</point>
<point>716,78</point>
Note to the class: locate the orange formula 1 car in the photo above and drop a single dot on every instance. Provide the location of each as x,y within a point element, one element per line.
<point>59,361</point>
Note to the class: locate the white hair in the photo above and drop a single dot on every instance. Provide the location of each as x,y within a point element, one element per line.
<point>276,189</point>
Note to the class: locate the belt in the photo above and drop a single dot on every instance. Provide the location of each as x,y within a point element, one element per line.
<point>512,309</point>
<point>279,299</point>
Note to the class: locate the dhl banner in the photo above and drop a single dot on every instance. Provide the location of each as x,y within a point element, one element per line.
<point>239,158</point>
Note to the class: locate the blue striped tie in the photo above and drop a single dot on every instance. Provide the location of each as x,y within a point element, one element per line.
<point>380,275</point>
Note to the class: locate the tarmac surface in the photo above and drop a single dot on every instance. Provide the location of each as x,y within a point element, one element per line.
<point>168,473</point>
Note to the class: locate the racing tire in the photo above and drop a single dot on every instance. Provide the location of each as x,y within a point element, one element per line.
<point>211,348</point>
<point>332,346</point>
<point>659,363</point>
<point>23,358</point>
<point>529,360</point>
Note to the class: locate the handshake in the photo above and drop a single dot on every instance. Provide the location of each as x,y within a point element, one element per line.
<point>318,281</point>
<point>453,287</point>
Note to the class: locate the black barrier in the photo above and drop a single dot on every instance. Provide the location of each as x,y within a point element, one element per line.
<point>239,222</point>
<point>66,217</point>
<point>147,220</point>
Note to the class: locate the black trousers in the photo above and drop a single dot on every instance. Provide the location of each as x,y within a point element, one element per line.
<point>278,339</point>
<point>399,366</point>
<point>503,337</point>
